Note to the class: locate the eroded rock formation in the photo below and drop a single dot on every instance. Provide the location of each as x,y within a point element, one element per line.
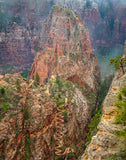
<point>38,123</point>
<point>105,20</point>
<point>105,143</point>
<point>65,49</point>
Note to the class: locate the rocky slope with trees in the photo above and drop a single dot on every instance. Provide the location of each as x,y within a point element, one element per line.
<point>109,142</point>
<point>48,115</point>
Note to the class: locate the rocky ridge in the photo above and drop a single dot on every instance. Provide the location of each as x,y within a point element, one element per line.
<point>105,143</point>
<point>38,123</point>
<point>105,20</point>
<point>65,49</point>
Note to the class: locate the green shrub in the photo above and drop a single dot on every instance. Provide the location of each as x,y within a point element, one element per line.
<point>37,78</point>
<point>64,52</point>
<point>2,91</point>
<point>65,116</point>
<point>26,114</point>
<point>35,83</point>
<point>93,125</point>
<point>71,55</point>
<point>121,105</point>
<point>60,101</point>
<point>28,153</point>
<point>70,155</point>
<point>18,86</point>
<point>6,107</point>
<point>59,82</point>
<point>121,119</point>
<point>61,107</point>
<point>115,158</point>
<point>54,129</point>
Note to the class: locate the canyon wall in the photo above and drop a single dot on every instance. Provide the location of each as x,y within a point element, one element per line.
<point>105,21</point>
<point>19,33</point>
<point>105,143</point>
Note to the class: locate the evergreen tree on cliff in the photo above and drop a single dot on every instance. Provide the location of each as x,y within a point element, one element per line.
<point>118,62</point>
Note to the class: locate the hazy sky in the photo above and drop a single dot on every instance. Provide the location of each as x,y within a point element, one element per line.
<point>117,1</point>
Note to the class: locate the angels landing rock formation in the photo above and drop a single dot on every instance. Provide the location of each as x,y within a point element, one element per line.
<point>51,121</point>
<point>65,49</point>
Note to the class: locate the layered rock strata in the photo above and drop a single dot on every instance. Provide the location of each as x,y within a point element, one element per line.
<point>65,49</point>
<point>105,143</point>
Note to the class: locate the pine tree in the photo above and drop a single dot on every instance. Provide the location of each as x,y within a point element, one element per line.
<point>118,62</point>
<point>37,78</point>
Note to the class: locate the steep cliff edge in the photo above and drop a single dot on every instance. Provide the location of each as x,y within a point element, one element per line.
<point>65,49</point>
<point>105,143</point>
<point>49,121</point>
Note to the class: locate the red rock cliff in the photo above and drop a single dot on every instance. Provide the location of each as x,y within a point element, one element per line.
<point>65,48</point>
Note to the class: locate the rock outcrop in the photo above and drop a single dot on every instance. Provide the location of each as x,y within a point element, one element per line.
<point>50,122</point>
<point>27,121</point>
<point>65,49</point>
<point>43,123</point>
<point>105,143</point>
<point>105,20</point>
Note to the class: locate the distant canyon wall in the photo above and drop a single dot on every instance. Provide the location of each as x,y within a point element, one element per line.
<point>22,21</point>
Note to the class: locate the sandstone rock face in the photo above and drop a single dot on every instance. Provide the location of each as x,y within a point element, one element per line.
<point>26,134</point>
<point>105,20</point>
<point>32,124</point>
<point>19,33</point>
<point>65,49</point>
<point>105,144</point>
<point>17,47</point>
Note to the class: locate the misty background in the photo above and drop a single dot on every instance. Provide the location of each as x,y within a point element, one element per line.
<point>110,14</point>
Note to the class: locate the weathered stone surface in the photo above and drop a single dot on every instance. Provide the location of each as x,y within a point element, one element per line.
<point>105,144</point>
<point>35,136</point>
<point>105,20</point>
<point>65,49</point>
<point>38,127</point>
